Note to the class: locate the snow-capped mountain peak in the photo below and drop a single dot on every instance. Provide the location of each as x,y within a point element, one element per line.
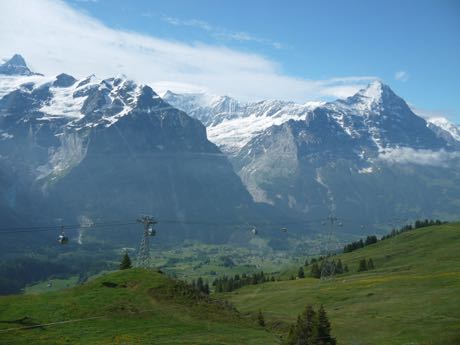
<point>444,128</point>
<point>230,123</point>
<point>83,103</point>
<point>372,98</point>
<point>16,65</point>
<point>374,91</point>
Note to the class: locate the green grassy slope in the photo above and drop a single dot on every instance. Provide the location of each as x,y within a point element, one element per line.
<point>127,307</point>
<point>412,297</point>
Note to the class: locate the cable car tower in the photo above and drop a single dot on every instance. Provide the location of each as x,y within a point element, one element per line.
<point>327,264</point>
<point>143,258</point>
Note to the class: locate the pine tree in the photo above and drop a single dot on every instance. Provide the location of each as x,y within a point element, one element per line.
<point>206,288</point>
<point>362,265</point>
<point>345,268</point>
<point>125,262</point>
<point>371,240</point>
<point>306,262</point>
<point>199,284</point>
<point>370,264</point>
<point>339,267</point>
<point>260,319</point>
<point>305,330</point>
<point>324,329</point>
<point>301,273</point>
<point>315,271</point>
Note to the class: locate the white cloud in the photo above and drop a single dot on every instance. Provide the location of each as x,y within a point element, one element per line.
<point>218,32</point>
<point>402,76</point>
<point>54,37</point>
<point>189,22</point>
<point>407,155</point>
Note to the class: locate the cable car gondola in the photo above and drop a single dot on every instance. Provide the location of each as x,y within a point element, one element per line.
<point>151,231</point>
<point>63,239</point>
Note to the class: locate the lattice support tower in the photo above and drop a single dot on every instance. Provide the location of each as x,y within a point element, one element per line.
<point>328,264</point>
<point>143,259</point>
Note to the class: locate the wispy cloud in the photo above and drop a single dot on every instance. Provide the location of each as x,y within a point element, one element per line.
<point>189,22</point>
<point>219,32</point>
<point>55,37</point>
<point>402,76</point>
<point>407,155</point>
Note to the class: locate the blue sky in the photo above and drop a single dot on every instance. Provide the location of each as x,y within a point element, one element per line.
<point>303,49</point>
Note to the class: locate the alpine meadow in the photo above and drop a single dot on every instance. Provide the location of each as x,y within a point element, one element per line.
<point>233,172</point>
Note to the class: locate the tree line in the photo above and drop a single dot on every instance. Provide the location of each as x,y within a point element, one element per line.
<point>318,265</point>
<point>201,286</point>
<point>360,244</point>
<point>227,283</point>
<point>335,266</point>
<point>417,225</point>
<point>373,239</point>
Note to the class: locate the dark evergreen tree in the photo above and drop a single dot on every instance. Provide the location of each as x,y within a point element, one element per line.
<point>315,272</point>
<point>323,336</point>
<point>370,264</point>
<point>199,284</point>
<point>306,262</point>
<point>339,267</point>
<point>125,262</point>
<point>260,319</point>
<point>305,331</point>
<point>362,265</point>
<point>370,240</point>
<point>301,273</point>
<point>345,268</point>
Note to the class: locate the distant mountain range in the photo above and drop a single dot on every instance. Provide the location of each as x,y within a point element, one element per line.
<point>231,124</point>
<point>111,149</point>
<point>368,152</point>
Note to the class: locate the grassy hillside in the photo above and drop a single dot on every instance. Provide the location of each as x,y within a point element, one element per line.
<point>127,307</point>
<point>412,297</point>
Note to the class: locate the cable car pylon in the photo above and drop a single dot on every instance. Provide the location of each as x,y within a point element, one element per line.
<point>143,259</point>
<point>328,265</point>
